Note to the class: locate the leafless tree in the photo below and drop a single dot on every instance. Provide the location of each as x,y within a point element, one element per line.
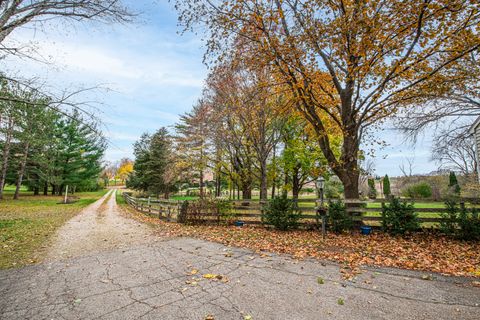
<point>34,14</point>
<point>407,169</point>
<point>18,13</point>
<point>455,150</point>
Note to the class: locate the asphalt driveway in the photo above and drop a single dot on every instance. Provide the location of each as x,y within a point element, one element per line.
<point>187,278</point>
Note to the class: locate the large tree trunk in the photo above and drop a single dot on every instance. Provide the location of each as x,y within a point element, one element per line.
<point>246,192</point>
<point>21,172</point>
<point>6,155</point>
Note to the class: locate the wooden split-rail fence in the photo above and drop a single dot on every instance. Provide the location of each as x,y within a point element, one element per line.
<point>250,211</point>
<point>167,210</point>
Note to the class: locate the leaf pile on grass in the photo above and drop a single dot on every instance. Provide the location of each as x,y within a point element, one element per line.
<point>425,252</point>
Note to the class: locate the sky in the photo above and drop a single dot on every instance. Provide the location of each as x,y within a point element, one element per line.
<point>153,75</point>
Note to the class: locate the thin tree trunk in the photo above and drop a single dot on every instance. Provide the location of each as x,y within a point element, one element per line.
<point>6,155</point>
<point>21,172</point>
<point>263,181</point>
<point>296,183</point>
<point>45,189</point>
<point>201,184</point>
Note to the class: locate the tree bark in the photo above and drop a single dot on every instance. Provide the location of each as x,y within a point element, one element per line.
<point>6,155</point>
<point>21,172</point>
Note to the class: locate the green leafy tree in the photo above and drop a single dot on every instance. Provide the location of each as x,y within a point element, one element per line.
<point>301,159</point>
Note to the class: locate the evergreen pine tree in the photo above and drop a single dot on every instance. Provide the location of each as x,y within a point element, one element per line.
<point>386,186</point>
<point>453,183</point>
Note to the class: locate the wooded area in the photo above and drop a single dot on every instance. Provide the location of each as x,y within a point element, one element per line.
<point>44,149</point>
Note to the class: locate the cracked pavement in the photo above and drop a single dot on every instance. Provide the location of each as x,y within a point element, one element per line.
<point>159,280</point>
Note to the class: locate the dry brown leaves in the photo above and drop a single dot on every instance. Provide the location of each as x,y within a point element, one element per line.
<point>421,252</point>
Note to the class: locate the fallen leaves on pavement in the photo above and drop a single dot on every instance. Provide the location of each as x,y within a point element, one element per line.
<point>424,252</point>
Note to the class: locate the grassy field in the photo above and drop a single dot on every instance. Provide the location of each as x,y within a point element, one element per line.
<point>26,225</point>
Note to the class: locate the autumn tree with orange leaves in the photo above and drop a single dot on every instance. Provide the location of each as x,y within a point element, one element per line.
<point>349,64</point>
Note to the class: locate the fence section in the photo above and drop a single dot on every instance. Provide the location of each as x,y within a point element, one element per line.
<point>250,211</point>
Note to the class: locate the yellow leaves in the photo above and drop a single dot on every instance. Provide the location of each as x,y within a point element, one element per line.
<point>209,276</point>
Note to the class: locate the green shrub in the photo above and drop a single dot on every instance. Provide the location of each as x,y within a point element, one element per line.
<point>469,224</point>
<point>458,221</point>
<point>281,212</point>
<point>448,225</point>
<point>419,190</point>
<point>338,218</point>
<point>399,217</point>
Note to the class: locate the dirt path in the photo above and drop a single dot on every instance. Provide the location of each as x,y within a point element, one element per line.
<point>98,227</point>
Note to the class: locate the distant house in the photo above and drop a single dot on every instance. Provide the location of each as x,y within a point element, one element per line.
<point>475,131</point>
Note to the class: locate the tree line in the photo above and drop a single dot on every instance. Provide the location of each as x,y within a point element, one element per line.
<point>45,149</point>
<point>346,67</point>
<point>237,134</point>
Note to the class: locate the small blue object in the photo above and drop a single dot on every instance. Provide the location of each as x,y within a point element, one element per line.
<point>239,223</point>
<point>366,230</point>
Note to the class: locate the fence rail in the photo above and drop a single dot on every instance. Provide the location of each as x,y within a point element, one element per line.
<point>250,211</point>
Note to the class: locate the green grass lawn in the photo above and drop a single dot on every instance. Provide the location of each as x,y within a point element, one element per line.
<point>184,198</point>
<point>27,224</point>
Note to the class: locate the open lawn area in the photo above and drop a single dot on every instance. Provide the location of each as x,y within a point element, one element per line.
<point>27,224</point>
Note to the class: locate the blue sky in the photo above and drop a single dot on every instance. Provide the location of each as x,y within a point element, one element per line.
<point>154,75</point>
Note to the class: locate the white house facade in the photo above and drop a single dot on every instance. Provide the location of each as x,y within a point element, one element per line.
<point>475,131</point>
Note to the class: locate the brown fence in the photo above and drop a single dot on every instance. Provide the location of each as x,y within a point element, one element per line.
<point>250,211</point>
<point>165,209</point>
